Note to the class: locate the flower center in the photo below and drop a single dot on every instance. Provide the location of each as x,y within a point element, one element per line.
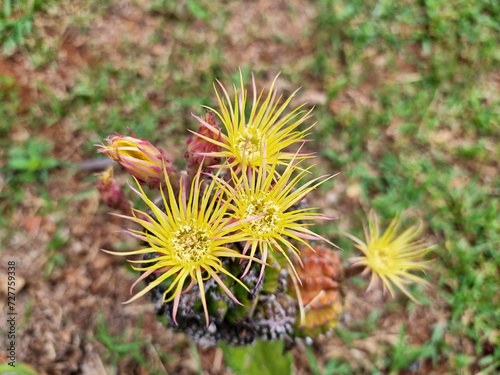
<point>266,224</point>
<point>381,258</point>
<point>249,144</point>
<point>190,244</point>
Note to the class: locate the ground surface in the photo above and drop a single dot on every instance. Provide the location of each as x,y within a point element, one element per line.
<point>406,96</point>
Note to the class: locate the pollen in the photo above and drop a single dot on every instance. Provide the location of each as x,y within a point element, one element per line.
<point>249,144</point>
<point>381,258</point>
<point>190,244</point>
<point>269,223</point>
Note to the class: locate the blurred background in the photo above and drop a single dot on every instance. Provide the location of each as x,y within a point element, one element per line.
<point>407,100</point>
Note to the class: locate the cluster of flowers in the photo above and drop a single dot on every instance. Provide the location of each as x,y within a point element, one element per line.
<point>243,184</point>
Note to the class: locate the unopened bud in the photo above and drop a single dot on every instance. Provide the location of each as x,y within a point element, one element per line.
<point>139,157</point>
<point>320,280</point>
<point>111,193</point>
<point>198,147</point>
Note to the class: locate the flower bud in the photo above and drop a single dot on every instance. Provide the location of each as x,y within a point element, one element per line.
<point>320,289</point>
<point>111,193</point>
<point>139,157</point>
<point>198,147</point>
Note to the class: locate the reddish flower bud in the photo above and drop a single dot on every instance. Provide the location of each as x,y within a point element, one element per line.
<point>111,193</point>
<point>139,157</point>
<point>320,279</point>
<point>198,146</point>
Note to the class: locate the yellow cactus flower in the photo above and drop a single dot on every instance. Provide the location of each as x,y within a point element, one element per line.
<point>268,124</point>
<point>262,201</point>
<point>189,239</point>
<point>139,157</point>
<point>391,257</point>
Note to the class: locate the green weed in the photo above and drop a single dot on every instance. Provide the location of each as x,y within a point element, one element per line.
<point>29,162</point>
<point>120,347</point>
<point>333,367</point>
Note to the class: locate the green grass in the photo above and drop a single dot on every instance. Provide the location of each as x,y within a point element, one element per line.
<point>16,23</point>
<point>119,347</point>
<point>333,367</point>
<point>416,126</point>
